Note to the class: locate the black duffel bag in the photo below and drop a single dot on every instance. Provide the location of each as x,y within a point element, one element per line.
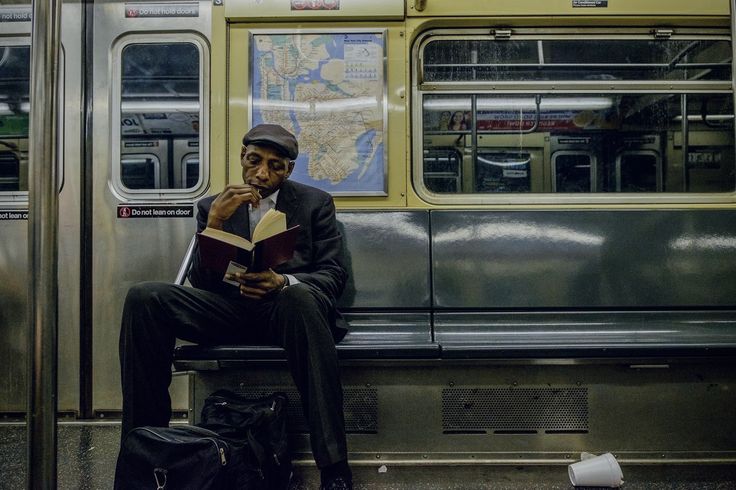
<point>259,427</point>
<point>182,458</point>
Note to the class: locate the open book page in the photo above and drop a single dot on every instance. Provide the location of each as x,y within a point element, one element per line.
<point>219,249</point>
<point>229,238</point>
<point>272,223</point>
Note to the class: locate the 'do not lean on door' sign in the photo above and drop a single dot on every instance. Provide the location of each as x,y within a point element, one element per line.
<point>163,211</point>
<point>13,214</point>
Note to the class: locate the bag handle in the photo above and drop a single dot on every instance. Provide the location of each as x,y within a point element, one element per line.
<point>156,473</point>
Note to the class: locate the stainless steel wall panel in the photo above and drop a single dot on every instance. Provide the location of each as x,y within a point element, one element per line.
<point>127,251</point>
<point>387,257</point>
<point>584,259</point>
<point>671,412</point>
<point>14,278</point>
<point>13,315</point>
<point>69,210</point>
<point>14,245</point>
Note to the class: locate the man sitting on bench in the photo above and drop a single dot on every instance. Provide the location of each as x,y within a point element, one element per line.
<point>292,306</point>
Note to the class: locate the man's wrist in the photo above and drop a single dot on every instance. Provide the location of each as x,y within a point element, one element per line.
<point>214,221</point>
<point>285,283</point>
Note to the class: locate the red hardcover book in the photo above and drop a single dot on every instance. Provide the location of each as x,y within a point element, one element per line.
<point>272,246</point>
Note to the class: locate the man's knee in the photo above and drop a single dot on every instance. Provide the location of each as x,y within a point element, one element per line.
<point>145,293</point>
<point>144,311</point>
<point>146,301</point>
<point>298,297</point>
<point>303,310</point>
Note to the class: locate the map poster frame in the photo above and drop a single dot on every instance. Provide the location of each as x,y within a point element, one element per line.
<point>342,144</point>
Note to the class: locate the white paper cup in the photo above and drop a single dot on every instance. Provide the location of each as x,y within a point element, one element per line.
<point>600,471</point>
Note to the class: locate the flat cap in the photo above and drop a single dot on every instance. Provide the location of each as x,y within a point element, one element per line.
<point>273,135</point>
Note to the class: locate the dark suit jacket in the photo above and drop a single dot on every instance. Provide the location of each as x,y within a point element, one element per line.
<point>317,260</point>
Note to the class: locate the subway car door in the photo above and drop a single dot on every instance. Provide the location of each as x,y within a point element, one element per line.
<point>15,69</point>
<point>150,130</point>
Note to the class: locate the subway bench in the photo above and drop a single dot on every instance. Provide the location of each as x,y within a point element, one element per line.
<point>459,285</point>
<point>386,301</point>
<point>489,336</point>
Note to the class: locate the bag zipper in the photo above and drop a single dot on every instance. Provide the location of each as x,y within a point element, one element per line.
<point>223,459</point>
<point>220,450</point>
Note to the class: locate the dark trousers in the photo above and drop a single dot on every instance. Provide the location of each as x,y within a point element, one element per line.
<point>155,314</point>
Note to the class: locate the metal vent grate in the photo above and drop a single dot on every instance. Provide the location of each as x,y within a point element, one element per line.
<point>360,406</point>
<point>515,410</point>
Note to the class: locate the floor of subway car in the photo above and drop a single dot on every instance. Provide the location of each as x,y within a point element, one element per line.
<point>87,453</point>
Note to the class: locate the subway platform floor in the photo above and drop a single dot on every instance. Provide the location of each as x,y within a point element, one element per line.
<point>87,453</point>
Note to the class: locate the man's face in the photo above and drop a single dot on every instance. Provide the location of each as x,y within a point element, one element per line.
<point>265,168</point>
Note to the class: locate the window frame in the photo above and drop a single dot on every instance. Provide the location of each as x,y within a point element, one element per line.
<point>659,180</point>
<point>115,182</point>
<point>420,89</point>
<point>20,198</point>
<point>592,172</point>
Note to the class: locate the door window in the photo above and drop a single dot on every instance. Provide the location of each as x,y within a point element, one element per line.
<point>161,109</point>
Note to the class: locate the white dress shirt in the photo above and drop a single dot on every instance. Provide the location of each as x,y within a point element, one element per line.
<point>256,214</point>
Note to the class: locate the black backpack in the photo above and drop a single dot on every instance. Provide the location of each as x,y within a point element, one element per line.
<point>241,444</point>
<point>257,427</point>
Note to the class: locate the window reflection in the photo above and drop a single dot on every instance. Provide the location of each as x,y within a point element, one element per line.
<point>160,111</point>
<point>638,172</point>
<point>572,59</point>
<point>503,171</point>
<point>9,169</point>
<point>627,138</point>
<point>442,170</point>
<point>141,171</point>
<point>573,171</point>
<point>190,170</point>
<point>563,143</point>
<point>14,109</point>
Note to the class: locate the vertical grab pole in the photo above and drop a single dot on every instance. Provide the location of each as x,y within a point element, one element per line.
<point>43,246</point>
<point>685,125</point>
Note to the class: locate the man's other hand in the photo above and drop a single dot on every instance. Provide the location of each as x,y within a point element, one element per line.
<point>229,200</point>
<point>258,285</point>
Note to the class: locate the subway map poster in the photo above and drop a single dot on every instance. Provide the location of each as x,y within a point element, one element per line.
<point>329,90</point>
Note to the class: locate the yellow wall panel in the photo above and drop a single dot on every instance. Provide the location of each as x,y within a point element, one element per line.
<point>298,10</point>
<point>231,78</point>
<point>427,8</point>
<point>218,100</point>
<point>238,108</point>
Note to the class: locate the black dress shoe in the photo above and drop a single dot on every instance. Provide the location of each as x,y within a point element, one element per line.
<point>338,483</point>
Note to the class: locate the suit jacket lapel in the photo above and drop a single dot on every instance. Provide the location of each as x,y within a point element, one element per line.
<point>287,202</point>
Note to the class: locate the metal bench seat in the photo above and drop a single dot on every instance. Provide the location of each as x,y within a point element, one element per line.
<point>482,335</point>
<point>386,301</point>
<point>189,356</point>
<point>374,335</point>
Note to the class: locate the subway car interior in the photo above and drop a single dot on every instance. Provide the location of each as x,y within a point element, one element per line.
<point>537,202</point>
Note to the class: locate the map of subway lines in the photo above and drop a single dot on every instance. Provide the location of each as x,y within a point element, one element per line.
<point>320,88</point>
